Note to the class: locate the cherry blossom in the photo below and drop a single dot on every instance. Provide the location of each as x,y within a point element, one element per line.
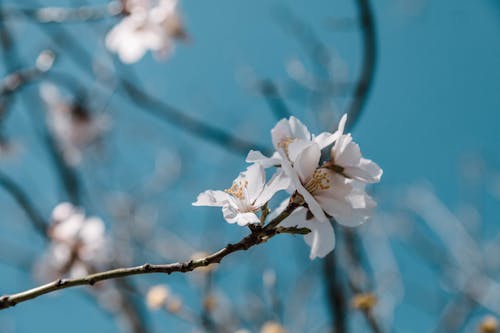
<point>323,189</point>
<point>346,156</point>
<point>246,196</point>
<point>149,25</point>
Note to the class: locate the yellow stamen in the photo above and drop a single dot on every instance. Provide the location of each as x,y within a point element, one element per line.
<point>319,181</point>
<point>237,188</point>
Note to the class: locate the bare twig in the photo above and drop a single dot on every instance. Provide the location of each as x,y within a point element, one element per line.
<point>249,241</point>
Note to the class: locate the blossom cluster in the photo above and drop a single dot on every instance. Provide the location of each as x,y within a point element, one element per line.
<point>78,245</point>
<point>148,25</point>
<point>328,189</point>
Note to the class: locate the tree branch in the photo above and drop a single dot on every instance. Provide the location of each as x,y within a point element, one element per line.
<point>257,236</point>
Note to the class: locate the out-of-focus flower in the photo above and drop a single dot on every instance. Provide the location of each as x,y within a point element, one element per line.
<point>364,302</point>
<point>72,125</point>
<point>246,196</point>
<point>149,25</point>
<point>78,243</point>
<point>272,327</point>
<point>174,304</point>
<point>157,296</point>
<point>489,324</point>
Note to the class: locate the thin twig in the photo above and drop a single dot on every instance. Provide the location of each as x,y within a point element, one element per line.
<point>247,242</point>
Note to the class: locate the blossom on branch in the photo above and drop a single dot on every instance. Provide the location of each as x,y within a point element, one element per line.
<point>320,190</point>
<point>246,196</point>
<point>148,25</point>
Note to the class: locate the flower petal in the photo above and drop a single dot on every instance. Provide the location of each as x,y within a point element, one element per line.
<point>255,156</point>
<point>321,239</point>
<point>279,181</point>
<point>296,184</point>
<point>212,198</point>
<point>255,178</point>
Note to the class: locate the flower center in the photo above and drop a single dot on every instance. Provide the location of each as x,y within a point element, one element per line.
<point>319,181</point>
<point>237,189</point>
<point>283,144</point>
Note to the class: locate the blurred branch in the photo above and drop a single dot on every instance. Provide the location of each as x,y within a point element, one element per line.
<point>353,249</point>
<point>151,104</point>
<point>335,292</point>
<point>257,237</point>
<point>35,217</point>
<point>62,14</point>
<point>369,41</point>
<point>273,98</point>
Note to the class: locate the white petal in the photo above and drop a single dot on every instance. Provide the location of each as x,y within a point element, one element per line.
<point>267,162</point>
<point>244,219</point>
<point>212,198</point>
<point>298,129</point>
<point>297,185</point>
<point>342,123</point>
<point>279,181</point>
<point>306,161</point>
<point>256,178</point>
<point>325,139</point>
<point>281,131</point>
<point>321,239</point>
<point>367,171</point>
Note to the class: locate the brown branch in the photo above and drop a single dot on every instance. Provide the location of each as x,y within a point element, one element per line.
<point>256,237</point>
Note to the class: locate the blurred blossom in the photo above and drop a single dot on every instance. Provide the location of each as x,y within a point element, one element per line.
<point>272,327</point>
<point>78,244</point>
<point>73,126</point>
<point>45,60</point>
<point>269,278</point>
<point>364,302</point>
<point>489,324</point>
<point>157,296</point>
<point>148,25</point>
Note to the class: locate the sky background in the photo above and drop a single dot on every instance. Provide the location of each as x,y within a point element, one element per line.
<point>434,100</point>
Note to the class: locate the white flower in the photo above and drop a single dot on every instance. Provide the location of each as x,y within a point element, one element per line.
<point>73,127</point>
<point>321,239</point>
<point>78,243</point>
<point>146,27</point>
<point>285,132</point>
<point>323,189</point>
<point>346,154</point>
<point>246,196</point>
